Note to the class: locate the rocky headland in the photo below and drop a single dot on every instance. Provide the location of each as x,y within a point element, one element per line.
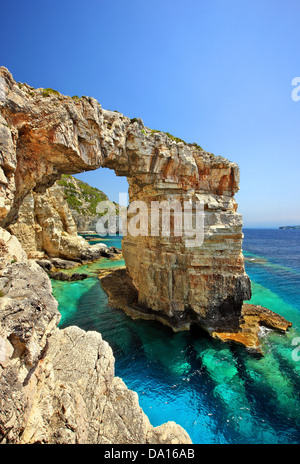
<point>52,134</point>
<point>46,228</point>
<point>82,201</point>
<point>58,386</point>
<point>123,295</point>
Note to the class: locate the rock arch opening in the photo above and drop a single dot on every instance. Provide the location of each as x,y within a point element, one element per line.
<point>45,135</point>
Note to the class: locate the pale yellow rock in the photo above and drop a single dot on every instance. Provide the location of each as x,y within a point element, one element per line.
<point>62,396</point>
<point>10,249</point>
<point>46,228</point>
<point>56,134</point>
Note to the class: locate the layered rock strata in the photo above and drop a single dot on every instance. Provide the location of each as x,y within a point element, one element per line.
<point>45,134</point>
<point>123,295</point>
<point>46,229</point>
<point>253,319</point>
<point>58,386</point>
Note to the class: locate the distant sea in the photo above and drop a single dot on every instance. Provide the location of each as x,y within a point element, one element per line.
<point>217,392</point>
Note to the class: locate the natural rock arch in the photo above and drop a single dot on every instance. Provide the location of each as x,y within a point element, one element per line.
<point>45,134</point>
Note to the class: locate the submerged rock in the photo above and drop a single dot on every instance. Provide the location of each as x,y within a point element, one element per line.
<point>66,277</point>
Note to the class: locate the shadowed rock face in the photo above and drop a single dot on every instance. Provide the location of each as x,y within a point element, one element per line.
<point>45,227</point>
<point>45,134</point>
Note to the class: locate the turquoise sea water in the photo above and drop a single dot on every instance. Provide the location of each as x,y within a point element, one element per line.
<point>217,392</point>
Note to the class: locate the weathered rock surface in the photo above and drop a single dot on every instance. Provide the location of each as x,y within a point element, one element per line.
<point>45,134</point>
<point>58,386</point>
<point>57,263</point>
<point>46,228</point>
<point>82,200</point>
<point>253,317</point>
<point>82,402</point>
<point>10,249</point>
<point>59,275</point>
<point>122,294</point>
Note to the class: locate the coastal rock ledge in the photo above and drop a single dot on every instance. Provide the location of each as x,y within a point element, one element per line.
<point>59,386</point>
<point>123,295</point>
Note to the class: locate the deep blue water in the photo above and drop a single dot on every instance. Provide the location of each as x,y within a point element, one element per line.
<point>218,393</point>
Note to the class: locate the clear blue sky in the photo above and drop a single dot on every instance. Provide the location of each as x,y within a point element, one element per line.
<point>216,72</point>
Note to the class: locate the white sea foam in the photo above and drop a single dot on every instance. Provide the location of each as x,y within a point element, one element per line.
<point>264,331</point>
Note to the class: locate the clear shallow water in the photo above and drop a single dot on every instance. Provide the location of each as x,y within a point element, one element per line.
<point>217,392</point>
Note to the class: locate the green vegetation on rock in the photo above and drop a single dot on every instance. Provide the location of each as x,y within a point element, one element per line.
<point>80,196</point>
<point>176,139</point>
<point>48,92</point>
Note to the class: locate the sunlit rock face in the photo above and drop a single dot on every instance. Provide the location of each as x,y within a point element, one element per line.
<point>59,386</point>
<point>45,134</point>
<point>46,229</point>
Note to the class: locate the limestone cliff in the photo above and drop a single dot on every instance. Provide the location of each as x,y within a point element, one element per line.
<point>46,228</point>
<point>45,134</point>
<point>58,386</point>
